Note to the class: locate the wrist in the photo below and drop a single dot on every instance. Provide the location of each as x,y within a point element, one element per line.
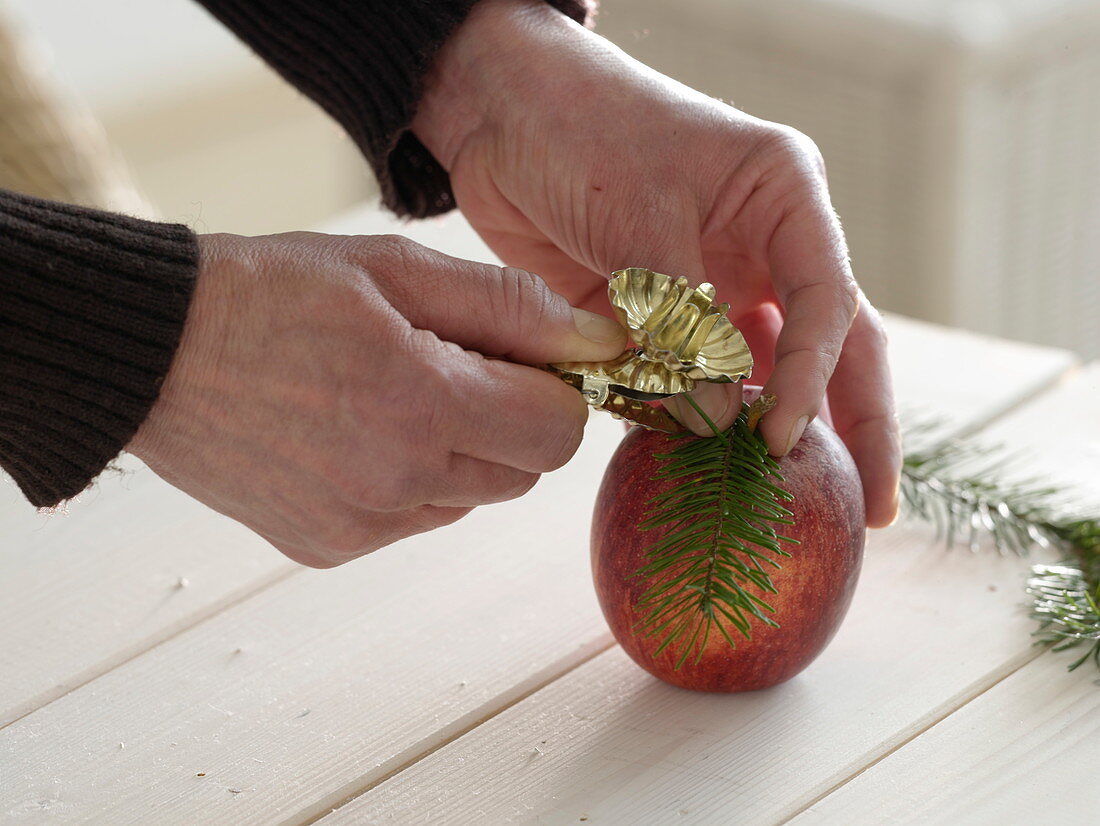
<point>191,362</point>
<point>499,55</point>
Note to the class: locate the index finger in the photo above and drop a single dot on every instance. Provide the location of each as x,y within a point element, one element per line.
<point>814,284</point>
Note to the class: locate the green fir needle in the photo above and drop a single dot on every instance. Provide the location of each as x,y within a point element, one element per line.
<point>710,571</point>
<point>964,489</point>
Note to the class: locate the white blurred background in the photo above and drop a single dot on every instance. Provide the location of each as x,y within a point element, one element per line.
<point>962,137</point>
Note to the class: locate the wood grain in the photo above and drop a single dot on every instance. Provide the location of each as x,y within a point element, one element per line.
<point>929,630</point>
<point>1025,751</point>
<point>378,652</point>
<point>131,563</point>
<point>624,748</point>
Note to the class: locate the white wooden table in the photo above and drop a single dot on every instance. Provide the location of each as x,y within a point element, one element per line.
<point>163,665</point>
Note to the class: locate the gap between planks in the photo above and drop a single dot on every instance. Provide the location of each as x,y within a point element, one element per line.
<point>169,633</point>
<point>343,797</point>
<point>926,723</point>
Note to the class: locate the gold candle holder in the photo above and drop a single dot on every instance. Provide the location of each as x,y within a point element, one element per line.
<point>680,338</point>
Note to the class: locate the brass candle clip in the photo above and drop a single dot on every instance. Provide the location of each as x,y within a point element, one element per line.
<point>680,337</point>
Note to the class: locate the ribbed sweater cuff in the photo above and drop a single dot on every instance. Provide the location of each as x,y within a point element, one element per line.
<point>364,62</point>
<point>92,306</point>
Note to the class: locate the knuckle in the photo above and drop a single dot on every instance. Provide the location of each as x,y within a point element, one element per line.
<point>828,295</point>
<point>815,159</point>
<point>796,147</point>
<point>876,331</point>
<point>391,244</point>
<point>435,406</point>
<point>434,379</point>
<point>815,363</point>
<point>439,427</point>
<point>523,300</point>
<point>848,294</point>
<point>394,252</point>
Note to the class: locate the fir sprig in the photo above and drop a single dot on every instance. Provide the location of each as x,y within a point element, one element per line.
<point>963,489</point>
<point>711,568</point>
<point>966,489</point>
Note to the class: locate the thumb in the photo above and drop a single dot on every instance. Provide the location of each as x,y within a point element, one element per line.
<point>506,312</point>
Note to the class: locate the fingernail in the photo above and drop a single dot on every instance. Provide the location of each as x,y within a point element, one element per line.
<point>714,400</point>
<point>596,327</point>
<point>796,433</point>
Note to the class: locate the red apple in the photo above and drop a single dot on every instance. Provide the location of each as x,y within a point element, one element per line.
<point>815,584</point>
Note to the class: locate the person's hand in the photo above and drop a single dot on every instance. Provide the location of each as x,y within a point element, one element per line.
<point>332,393</point>
<point>573,160</point>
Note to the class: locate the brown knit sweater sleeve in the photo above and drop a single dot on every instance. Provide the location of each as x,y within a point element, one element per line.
<point>91,310</point>
<point>364,61</point>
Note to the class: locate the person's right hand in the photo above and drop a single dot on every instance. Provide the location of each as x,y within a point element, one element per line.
<point>332,393</point>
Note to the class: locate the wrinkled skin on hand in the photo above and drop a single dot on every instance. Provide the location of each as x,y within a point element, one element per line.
<point>573,160</point>
<point>334,395</point>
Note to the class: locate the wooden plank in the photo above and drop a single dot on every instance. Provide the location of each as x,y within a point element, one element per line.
<point>344,677</point>
<point>622,747</point>
<point>1059,432</point>
<point>938,369</point>
<point>928,631</point>
<point>1023,752</point>
<point>131,563</point>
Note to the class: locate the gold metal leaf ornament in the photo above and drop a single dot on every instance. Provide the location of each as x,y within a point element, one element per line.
<point>680,337</point>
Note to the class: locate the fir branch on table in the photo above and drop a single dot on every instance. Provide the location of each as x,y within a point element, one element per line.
<point>964,488</point>
<point>712,565</point>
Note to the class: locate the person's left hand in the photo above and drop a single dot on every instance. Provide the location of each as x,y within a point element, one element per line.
<point>572,160</point>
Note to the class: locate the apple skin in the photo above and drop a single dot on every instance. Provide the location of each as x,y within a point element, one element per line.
<point>815,583</point>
